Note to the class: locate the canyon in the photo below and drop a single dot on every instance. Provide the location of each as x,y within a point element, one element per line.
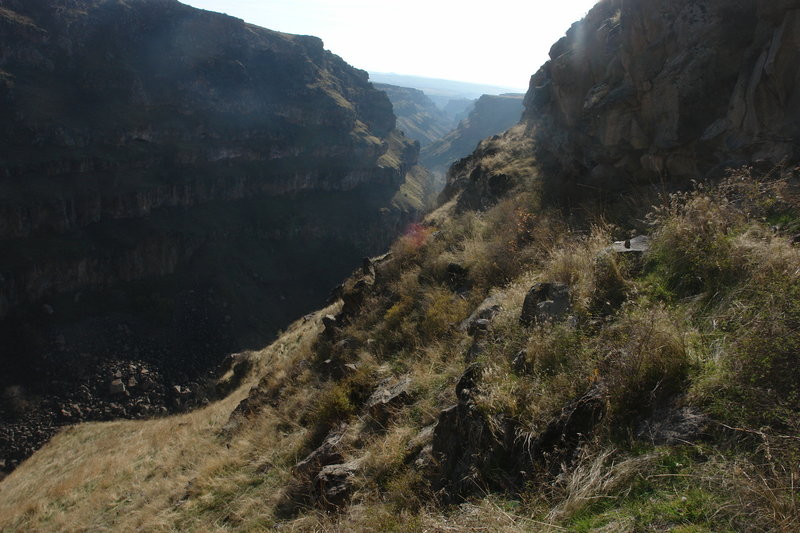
<point>176,185</point>
<point>594,329</point>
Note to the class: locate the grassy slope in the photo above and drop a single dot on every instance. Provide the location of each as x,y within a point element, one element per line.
<point>707,320</point>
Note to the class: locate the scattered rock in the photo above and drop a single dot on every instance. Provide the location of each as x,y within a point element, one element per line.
<point>557,444</point>
<point>330,323</point>
<point>468,382</point>
<point>477,347</point>
<point>545,302</point>
<point>487,310</point>
<point>366,266</point>
<point>352,299</point>
<point>116,387</point>
<point>636,245</point>
<point>520,362</point>
<point>335,294</point>
<point>389,395</point>
<point>465,444</point>
<point>334,483</point>
<point>326,453</point>
<point>674,426</point>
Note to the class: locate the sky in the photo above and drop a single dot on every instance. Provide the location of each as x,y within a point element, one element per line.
<point>494,42</point>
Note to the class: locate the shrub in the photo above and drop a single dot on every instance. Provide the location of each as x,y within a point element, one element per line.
<point>647,363</point>
<point>443,310</point>
<point>556,349</point>
<point>341,399</point>
<point>408,247</point>
<point>692,249</point>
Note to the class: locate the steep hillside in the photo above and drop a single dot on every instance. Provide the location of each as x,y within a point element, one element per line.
<point>417,115</point>
<point>490,115</point>
<point>529,358</point>
<point>175,185</point>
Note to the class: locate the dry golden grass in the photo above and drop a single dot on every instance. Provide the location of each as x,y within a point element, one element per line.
<point>647,335</point>
<point>149,475</point>
<point>595,477</point>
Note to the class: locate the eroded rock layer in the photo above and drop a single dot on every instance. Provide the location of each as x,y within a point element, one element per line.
<point>175,184</point>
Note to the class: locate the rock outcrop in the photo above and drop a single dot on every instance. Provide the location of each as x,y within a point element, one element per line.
<point>176,185</point>
<point>647,92</point>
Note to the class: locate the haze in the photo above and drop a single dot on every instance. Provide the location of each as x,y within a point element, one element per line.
<point>497,43</point>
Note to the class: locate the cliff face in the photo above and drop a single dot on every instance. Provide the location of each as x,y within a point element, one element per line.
<point>176,184</point>
<point>417,115</point>
<point>652,91</point>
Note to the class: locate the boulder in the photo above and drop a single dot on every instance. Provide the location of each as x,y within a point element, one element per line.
<point>116,387</point>
<point>326,453</point>
<point>545,302</point>
<point>334,484</point>
<point>390,395</point>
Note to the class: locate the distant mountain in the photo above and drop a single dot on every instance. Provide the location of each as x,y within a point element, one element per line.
<point>491,115</point>
<point>457,109</point>
<point>417,116</point>
<point>434,87</point>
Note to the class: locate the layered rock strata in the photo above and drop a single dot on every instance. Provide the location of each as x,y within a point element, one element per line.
<point>175,185</point>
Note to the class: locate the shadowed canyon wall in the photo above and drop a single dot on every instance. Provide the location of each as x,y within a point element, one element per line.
<point>175,185</point>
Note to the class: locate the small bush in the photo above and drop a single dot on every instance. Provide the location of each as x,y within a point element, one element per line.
<point>341,400</point>
<point>555,349</point>
<point>443,310</point>
<point>692,249</point>
<point>647,363</point>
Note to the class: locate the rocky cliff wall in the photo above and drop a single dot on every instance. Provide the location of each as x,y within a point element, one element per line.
<point>658,91</point>
<point>113,111</point>
<point>175,185</point>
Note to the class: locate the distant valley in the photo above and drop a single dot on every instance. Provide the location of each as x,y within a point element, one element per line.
<point>447,124</point>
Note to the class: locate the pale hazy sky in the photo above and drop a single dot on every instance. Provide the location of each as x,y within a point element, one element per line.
<point>496,42</point>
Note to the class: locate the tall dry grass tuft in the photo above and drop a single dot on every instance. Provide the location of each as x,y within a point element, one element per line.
<point>597,477</point>
<point>594,275</point>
